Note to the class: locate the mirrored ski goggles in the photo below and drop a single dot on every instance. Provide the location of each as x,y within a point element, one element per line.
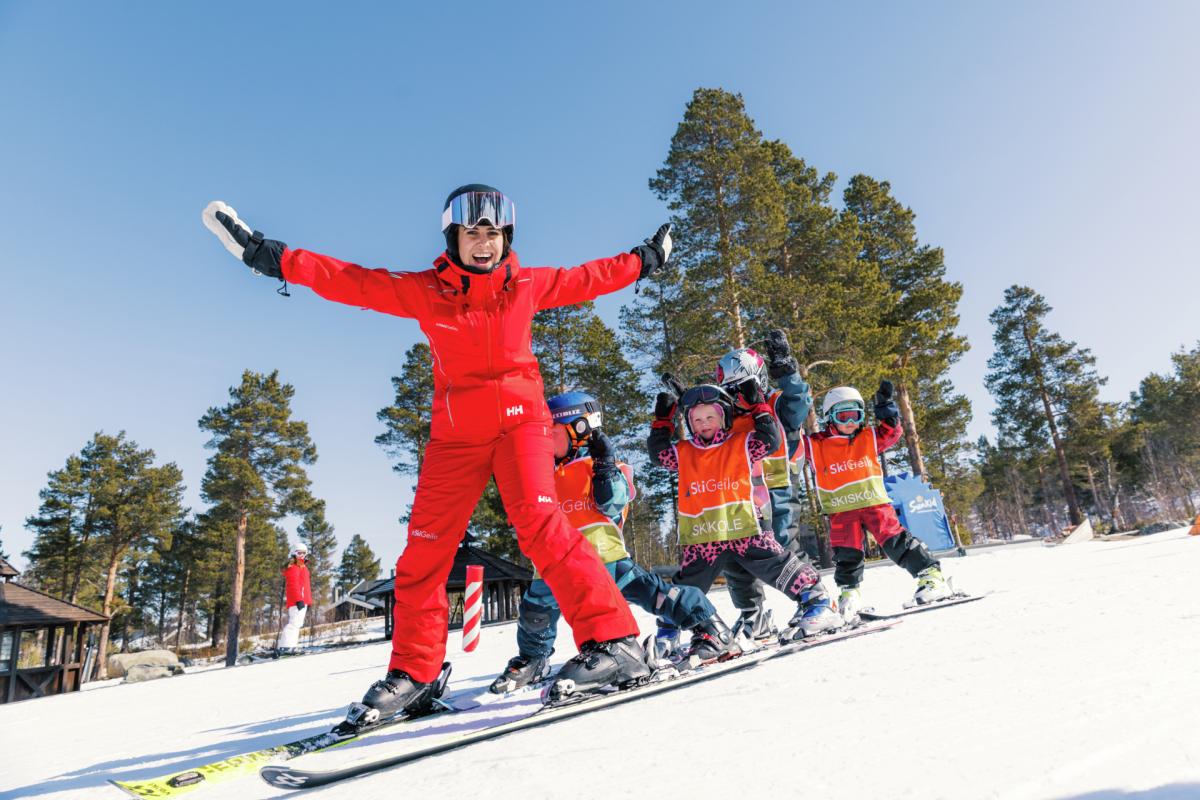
<point>476,208</point>
<point>847,414</point>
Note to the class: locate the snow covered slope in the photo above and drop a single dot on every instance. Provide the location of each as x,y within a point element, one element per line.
<point>1076,678</point>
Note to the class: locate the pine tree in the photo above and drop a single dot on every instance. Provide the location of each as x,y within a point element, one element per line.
<point>358,564</point>
<point>833,305</point>
<point>316,532</point>
<point>1162,443</point>
<point>255,477</point>
<point>728,215</point>
<point>407,420</point>
<point>61,531</point>
<point>144,507</point>
<point>3,554</point>
<point>925,314</point>
<point>577,351</point>
<point>1034,376</point>
<point>100,517</point>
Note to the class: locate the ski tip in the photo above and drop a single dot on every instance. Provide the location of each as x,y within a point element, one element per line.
<point>282,777</point>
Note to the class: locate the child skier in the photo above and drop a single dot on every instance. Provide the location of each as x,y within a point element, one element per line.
<point>298,596</point>
<point>476,306</point>
<point>791,401</point>
<point>845,460</point>
<point>719,521</point>
<point>594,491</point>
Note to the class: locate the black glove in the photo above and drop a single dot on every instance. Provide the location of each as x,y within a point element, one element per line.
<point>261,255</point>
<point>886,409</point>
<point>300,604</point>
<point>664,406</point>
<point>779,353</point>
<point>655,251</point>
<point>751,392</point>
<point>601,450</point>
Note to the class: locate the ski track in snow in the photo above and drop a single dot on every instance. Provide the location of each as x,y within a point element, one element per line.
<point>1076,679</point>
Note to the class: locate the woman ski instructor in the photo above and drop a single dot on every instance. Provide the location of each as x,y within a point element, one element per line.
<point>476,307</point>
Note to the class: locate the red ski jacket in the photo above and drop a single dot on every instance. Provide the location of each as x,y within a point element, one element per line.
<point>295,576</point>
<point>485,376</point>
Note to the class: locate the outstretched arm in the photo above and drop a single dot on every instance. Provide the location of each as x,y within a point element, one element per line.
<point>566,287</point>
<point>400,294</point>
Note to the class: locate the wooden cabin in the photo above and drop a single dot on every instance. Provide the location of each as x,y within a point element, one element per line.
<point>43,641</point>
<point>503,584</point>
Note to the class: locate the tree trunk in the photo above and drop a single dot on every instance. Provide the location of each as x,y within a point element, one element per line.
<point>110,584</point>
<point>1059,451</point>
<point>235,597</point>
<point>1092,488</point>
<point>1018,501</point>
<point>912,439</point>
<point>1119,521</point>
<point>187,574</point>
<point>730,269</point>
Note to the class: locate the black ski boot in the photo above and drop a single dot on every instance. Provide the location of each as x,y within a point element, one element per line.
<point>756,625</point>
<point>713,641</point>
<point>616,663</point>
<point>521,671</point>
<point>396,694</point>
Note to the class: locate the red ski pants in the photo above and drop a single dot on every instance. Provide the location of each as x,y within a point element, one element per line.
<point>846,527</point>
<point>453,476</point>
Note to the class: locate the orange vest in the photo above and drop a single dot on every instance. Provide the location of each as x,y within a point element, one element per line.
<point>573,485</point>
<point>775,465</point>
<point>847,472</point>
<point>716,495</point>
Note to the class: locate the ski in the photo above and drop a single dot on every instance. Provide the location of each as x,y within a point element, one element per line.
<point>244,764</point>
<point>956,599</point>
<point>289,776</point>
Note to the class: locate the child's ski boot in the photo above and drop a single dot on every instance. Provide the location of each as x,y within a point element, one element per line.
<point>521,671</point>
<point>713,641</point>
<point>849,604</point>
<point>814,615</point>
<point>931,587</point>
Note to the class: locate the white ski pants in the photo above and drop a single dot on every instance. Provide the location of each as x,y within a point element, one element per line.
<point>289,637</point>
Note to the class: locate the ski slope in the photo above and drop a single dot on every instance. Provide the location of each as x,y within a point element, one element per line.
<point>1077,677</point>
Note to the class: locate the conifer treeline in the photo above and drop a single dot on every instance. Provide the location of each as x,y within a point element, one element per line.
<point>761,242</point>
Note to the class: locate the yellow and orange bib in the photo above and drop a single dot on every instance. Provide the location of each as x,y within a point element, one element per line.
<point>573,485</point>
<point>716,495</point>
<point>847,472</point>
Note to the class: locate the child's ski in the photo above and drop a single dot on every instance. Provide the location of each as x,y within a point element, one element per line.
<point>955,599</point>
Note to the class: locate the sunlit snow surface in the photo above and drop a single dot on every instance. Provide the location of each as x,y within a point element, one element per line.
<point>1077,677</point>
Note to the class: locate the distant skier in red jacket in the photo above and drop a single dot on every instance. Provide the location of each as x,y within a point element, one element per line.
<point>476,306</point>
<point>297,596</point>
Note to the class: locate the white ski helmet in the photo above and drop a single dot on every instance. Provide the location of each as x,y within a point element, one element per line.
<point>738,366</point>
<point>301,550</point>
<point>838,396</point>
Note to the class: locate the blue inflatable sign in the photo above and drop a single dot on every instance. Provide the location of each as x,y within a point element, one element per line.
<point>921,510</point>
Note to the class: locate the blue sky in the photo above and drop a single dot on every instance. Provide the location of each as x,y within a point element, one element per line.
<point>1045,144</point>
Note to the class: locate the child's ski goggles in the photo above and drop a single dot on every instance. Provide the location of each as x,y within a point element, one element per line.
<point>847,413</point>
<point>476,208</point>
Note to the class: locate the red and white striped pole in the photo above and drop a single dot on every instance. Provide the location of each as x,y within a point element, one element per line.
<point>472,607</point>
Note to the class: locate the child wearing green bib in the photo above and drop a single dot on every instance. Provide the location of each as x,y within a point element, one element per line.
<point>845,460</point>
